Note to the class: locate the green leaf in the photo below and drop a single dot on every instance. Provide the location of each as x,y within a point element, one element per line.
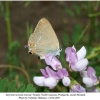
<point>76,33</point>
<point>21,88</point>
<point>27,3</point>
<point>3,85</point>
<point>12,86</point>
<point>46,90</point>
<point>14,46</point>
<point>29,29</point>
<point>62,58</point>
<point>12,56</point>
<point>70,12</point>
<point>30,88</point>
<point>77,9</point>
<point>82,33</point>
<point>2,8</point>
<point>0,80</point>
<point>66,39</point>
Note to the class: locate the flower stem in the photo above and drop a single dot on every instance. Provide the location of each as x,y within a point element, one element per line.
<point>92,25</point>
<point>94,15</point>
<point>95,52</point>
<point>7,18</point>
<point>18,68</point>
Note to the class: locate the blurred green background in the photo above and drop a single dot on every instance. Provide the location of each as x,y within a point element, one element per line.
<point>74,22</point>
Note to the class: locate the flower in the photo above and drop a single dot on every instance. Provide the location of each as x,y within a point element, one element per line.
<point>77,88</point>
<point>93,89</point>
<point>89,77</point>
<point>49,78</point>
<point>77,62</point>
<point>76,59</point>
<point>53,62</point>
<point>63,74</point>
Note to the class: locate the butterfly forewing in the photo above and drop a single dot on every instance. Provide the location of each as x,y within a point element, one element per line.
<point>44,38</point>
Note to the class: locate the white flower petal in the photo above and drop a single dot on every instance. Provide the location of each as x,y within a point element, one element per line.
<point>83,74</point>
<point>66,81</point>
<point>38,80</point>
<point>81,65</point>
<point>88,81</point>
<point>50,82</point>
<point>81,53</point>
<point>74,47</point>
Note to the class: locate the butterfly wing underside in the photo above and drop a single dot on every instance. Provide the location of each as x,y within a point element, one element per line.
<point>44,39</point>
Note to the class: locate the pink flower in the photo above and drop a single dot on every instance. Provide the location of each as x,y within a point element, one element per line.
<point>77,88</point>
<point>76,59</point>
<point>89,77</point>
<point>51,78</point>
<point>63,74</point>
<point>53,62</point>
<point>93,89</point>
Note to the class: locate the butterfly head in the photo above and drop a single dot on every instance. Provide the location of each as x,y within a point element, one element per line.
<point>58,52</point>
<point>30,47</point>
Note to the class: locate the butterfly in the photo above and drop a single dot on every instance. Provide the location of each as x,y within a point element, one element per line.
<point>43,40</point>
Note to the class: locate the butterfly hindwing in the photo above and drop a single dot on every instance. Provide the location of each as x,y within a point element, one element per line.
<point>44,39</point>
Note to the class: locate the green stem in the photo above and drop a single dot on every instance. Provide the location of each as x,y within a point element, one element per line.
<point>95,52</point>
<point>92,55</point>
<point>83,32</point>
<point>96,49</point>
<point>92,27</point>
<point>94,15</point>
<point>97,4</point>
<point>28,34</point>
<point>7,18</point>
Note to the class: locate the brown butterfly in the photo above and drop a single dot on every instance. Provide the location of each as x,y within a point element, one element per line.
<point>44,40</point>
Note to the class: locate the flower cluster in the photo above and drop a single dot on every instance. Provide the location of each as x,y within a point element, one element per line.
<point>77,62</point>
<point>50,77</point>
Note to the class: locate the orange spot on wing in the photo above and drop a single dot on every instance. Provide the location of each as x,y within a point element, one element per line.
<point>31,44</point>
<point>32,51</point>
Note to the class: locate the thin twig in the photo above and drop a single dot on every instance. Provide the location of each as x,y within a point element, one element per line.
<point>18,68</point>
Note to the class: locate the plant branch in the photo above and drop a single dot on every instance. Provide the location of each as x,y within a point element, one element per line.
<point>18,68</point>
